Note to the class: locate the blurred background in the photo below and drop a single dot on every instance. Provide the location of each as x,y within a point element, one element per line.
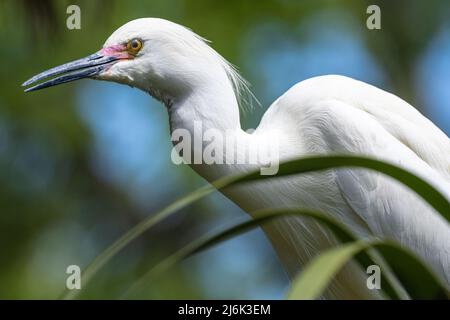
<point>80,164</point>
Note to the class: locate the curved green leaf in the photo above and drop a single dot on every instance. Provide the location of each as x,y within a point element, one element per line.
<point>420,282</point>
<point>319,272</point>
<point>303,165</point>
<point>132,234</point>
<point>439,202</point>
<point>207,241</point>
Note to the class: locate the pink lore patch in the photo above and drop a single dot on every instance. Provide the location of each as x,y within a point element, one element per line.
<point>117,51</point>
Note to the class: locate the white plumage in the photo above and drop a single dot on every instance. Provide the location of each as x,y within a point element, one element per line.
<point>323,115</point>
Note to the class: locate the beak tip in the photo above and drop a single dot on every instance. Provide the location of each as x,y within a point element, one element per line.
<point>26,83</point>
<point>82,68</point>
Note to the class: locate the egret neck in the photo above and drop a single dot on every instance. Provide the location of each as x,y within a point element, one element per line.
<point>211,105</point>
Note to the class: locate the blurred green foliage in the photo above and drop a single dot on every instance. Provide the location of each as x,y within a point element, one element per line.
<point>57,210</point>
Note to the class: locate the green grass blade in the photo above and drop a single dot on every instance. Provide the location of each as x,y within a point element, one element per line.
<point>416,277</point>
<point>260,218</point>
<point>132,234</point>
<point>319,272</point>
<point>304,165</point>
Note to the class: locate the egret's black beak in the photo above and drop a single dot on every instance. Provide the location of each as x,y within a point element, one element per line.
<point>82,68</point>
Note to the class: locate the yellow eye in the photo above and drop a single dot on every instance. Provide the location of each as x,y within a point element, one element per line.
<point>134,45</point>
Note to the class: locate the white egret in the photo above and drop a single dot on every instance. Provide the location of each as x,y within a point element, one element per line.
<point>323,115</point>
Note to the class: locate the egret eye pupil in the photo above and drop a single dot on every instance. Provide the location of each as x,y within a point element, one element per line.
<point>134,45</point>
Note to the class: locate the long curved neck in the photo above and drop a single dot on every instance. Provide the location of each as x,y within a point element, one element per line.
<point>209,109</point>
<point>214,104</point>
<point>207,122</point>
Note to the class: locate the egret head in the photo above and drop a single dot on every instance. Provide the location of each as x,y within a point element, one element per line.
<point>155,55</point>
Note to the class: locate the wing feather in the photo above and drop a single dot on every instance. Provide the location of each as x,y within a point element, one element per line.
<point>334,114</point>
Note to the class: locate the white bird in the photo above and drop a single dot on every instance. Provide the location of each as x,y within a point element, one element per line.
<point>319,116</point>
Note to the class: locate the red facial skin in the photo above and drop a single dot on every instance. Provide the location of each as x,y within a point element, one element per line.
<point>118,50</point>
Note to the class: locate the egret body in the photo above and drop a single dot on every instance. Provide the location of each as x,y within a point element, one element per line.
<point>319,116</point>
